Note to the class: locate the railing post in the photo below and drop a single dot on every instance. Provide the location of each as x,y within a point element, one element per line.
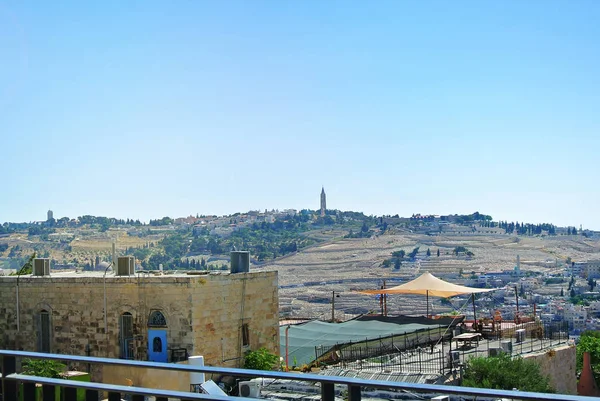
<point>116,397</point>
<point>29,391</point>
<point>9,387</point>
<point>49,392</point>
<point>327,392</point>
<point>91,395</point>
<point>70,394</point>
<point>353,393</point>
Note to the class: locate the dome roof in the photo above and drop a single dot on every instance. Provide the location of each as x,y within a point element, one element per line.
<point>102,266</point>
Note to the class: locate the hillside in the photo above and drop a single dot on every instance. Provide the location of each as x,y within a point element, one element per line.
<point>308,278</point>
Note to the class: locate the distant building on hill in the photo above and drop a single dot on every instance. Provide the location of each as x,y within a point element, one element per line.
<point>50,215</point>
<point>323,202</point>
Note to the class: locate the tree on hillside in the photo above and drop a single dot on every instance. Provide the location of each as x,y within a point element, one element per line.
<point>460,249</point>
<point>413,253</point>
<point>505,373</point>
<point>399,254</point>
<point>438,252</point>
<point>364,227</point>
<point>428,252</point>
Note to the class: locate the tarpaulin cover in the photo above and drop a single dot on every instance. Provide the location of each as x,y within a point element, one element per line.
<point>303,338</point>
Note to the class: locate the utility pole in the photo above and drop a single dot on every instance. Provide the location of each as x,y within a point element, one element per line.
<point>381,300</point>
<point>332,306</point>
<point>518,319</point>
<point>384,301</point>
<point>333,297</point>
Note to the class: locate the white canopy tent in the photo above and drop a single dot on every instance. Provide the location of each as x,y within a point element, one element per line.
<point>427,284</point>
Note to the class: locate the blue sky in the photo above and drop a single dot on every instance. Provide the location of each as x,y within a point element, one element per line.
<point>143,109</point>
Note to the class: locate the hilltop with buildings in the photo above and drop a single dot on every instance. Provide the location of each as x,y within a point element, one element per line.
<point>318,252</point>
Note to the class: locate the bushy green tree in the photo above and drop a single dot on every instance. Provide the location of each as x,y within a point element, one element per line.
<point>505,373</point>
<point>260,359</point>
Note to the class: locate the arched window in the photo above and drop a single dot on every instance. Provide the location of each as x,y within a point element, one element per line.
<point>44,331</point>
<point>157,319</point>
<point>157,345</point>
<point>126,335</point>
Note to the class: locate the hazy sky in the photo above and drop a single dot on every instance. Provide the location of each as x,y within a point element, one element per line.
<point>143,109</point>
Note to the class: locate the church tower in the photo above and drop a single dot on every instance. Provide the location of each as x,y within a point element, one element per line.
<point>323,202</point>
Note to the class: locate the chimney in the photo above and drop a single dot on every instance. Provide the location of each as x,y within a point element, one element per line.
<point>587,385</point>
<point>240,261</point>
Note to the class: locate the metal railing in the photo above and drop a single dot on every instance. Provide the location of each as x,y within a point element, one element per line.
<point>429,351</point>
<point>12,382</point>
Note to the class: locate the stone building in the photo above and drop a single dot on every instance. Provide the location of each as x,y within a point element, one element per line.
<point>147,317</point>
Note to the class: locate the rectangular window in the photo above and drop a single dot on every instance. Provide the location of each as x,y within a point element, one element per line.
<point>44,344</point>
<point>126,334</point>
<point>245,335</point>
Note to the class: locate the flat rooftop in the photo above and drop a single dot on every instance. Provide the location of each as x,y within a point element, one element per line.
<point>57,274</point>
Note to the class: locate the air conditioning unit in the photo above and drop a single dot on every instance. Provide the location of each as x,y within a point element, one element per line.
<point>506,346</point>
<point>125,266</point>
<point>41,267</point>
<point>492,352</point>
<point>454,357</point>
<point>240,261</point>
<point>249,389</point>
<point>520,335</point>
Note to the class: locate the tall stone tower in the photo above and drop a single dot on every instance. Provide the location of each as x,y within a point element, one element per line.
<point>323,202</point>
<point>50,215</point>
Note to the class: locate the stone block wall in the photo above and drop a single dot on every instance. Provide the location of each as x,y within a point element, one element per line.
<point>560,365</point>
<point>204,314</point>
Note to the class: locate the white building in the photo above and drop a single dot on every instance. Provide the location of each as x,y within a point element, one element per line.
<point>576,316</point>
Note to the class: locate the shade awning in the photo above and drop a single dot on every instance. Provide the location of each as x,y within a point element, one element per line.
<point>428,284</point>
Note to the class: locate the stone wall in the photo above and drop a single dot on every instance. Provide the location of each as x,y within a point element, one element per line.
<point>143,377</point>
<point>204,313</point>
<point>559,364</point>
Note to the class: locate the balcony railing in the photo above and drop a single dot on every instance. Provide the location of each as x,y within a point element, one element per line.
<point>11,382</point>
